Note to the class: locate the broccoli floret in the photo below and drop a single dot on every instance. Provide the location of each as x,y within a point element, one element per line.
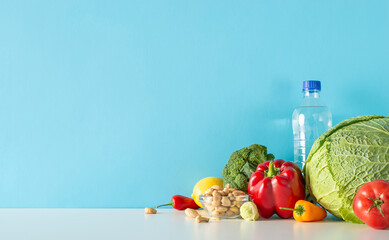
<point>270,157</point>
<point>242,164</point>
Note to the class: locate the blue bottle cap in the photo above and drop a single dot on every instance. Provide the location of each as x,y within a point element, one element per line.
<point>311,85</point>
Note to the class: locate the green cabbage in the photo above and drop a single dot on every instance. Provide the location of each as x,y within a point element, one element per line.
<point>354,152</point>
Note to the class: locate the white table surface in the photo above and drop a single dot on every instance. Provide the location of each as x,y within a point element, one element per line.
<point>115,224</point>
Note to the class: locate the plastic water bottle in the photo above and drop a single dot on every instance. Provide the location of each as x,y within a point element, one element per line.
<point>311,119</point>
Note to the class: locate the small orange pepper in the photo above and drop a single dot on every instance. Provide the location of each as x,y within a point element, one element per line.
<point>305,211</point>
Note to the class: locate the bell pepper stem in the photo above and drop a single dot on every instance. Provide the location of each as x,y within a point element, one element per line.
<point>271,172</point>
<point>291,209</point>
<point>299,209</point>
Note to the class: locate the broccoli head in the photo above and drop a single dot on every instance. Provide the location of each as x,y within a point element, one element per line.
<point>242,164</point>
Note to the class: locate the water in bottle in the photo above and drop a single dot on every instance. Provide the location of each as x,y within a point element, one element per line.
<point>311,119</point>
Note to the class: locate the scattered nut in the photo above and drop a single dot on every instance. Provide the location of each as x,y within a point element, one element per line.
<point>215,219</point>
<point>217,187</point>
<point>226,202</point>
<point>208,199</point>
<point>238,204</point>
<point>210,208</point>
<point>235,210</point>
<point>216,196</point>
<point>209,191</point>
<point>230,213</point>
<point>150,210</point>
<point>215,213</point>
<point>239,198</point>
<point>238,193</point>
<point>221,209</point>
<point>200,219</point>
<point>215,203</point>
<point>191,213</point>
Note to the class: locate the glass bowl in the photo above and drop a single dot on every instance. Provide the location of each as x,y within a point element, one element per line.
<point>224,206</point>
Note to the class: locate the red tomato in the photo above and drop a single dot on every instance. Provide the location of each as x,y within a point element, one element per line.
<point>371,204</point>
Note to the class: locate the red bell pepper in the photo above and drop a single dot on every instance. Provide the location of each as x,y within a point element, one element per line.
<point>180,202</point>
<point>276,184</point>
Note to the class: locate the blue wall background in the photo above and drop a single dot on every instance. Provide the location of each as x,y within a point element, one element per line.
<point>126,103</point>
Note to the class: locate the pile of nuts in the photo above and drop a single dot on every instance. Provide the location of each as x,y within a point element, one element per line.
<point>225,202</point>
<point>218,202</point>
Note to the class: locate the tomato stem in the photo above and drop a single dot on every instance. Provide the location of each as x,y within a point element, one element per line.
<point>376,203</point>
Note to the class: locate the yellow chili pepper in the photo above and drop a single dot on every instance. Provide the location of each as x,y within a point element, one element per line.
<point>305,211</point>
